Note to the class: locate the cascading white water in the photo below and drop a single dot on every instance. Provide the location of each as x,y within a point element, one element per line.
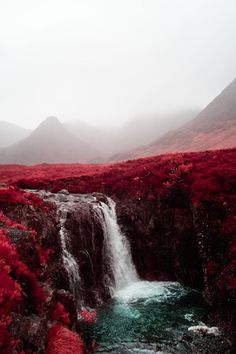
<point>69,260</point>
<point>64,204</point>
<point>124,282</point>
<point>117,246</point>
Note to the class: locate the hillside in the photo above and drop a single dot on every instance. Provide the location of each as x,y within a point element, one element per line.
<point>11,133</point>
<point>213,128</point>
<point>141,130</point>
<point>49,143</point>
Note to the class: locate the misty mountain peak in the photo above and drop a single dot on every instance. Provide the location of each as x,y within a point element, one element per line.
<point>50,122</point>
<point>50,128</point>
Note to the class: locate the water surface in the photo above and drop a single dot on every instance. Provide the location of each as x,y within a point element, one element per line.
<point>146,317</point>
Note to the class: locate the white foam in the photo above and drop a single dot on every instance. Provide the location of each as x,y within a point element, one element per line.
<point>188,317</point>
<point>203,329</point>
<point>144,290</point>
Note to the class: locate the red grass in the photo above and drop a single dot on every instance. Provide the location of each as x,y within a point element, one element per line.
<point>17,283</point>
<point>63,341</point>
<point>12,173</point>
<point>13,195</point>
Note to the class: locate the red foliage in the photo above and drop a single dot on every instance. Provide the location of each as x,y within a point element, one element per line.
<point>44,254</point>
<point>17,283</point>
<point>10,258</point>
<point>200,172</point>
<point>10,223</point>
<point>10,293</point>
<point>88,316</point>
<point>13,173</point>
<point>63,341</point>
<point>60,314</point>
<point>17,196</point>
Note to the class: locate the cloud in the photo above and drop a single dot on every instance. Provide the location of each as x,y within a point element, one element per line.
<point>105,62</point>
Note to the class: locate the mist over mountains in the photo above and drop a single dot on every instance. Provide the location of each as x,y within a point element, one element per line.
<point>54,142</point>
<point>11,133</point>
<point>135,133</point>
<point>50,142</point>
<point>213,128</point>
<point>77,142</point>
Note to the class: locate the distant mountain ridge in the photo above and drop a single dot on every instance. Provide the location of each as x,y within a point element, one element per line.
<point>213,128</point>
<point>141,130</point>
<point>11,133</point>
<point>50,142</point>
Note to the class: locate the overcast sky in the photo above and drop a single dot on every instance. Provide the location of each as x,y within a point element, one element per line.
<point>107,61</point>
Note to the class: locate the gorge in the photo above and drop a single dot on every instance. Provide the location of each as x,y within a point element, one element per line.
<point>169,227</point>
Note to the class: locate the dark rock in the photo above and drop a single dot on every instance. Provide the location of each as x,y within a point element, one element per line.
<point>32,330</point>
<point>176,243</point>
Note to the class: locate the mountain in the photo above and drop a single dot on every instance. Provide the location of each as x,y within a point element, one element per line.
<point>213,128</point>
<point>11,133</point>
<point>141,130</point>
<point>49,143</point>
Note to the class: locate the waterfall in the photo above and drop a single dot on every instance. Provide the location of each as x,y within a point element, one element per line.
<point>69,260</point>
<point>118,269</point>
<point>117,246</point>
<point>64,204</point>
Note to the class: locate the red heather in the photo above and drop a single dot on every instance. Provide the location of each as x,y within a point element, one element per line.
<point>63,341</point>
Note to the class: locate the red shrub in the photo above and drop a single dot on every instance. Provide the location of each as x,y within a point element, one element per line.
<point>10,258</point>
<point>44,254</point>
<point>59,314</point>
<point>10,223</point>
<point>14,195</point>
<point>10,293</point>
<point>63,341</point>
<point>88,316</point>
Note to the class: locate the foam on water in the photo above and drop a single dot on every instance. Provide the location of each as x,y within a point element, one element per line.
<point>146,290</point>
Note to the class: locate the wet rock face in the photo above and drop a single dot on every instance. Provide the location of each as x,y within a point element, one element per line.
<point>170,243</point>
<point>84,240</point>
<point>86,244</point>
<point>43,222</point>
<point>162,242</point>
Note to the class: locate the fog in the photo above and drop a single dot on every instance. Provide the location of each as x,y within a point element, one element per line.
<point>107,62</point>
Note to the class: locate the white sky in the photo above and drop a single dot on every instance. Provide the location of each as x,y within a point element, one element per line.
<point>106,61</point>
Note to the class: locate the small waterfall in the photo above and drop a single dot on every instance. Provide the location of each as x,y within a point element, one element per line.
<point>64,204</point>
<point>118,268</point>
<point>117,246</point>
<point>69,260</point>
